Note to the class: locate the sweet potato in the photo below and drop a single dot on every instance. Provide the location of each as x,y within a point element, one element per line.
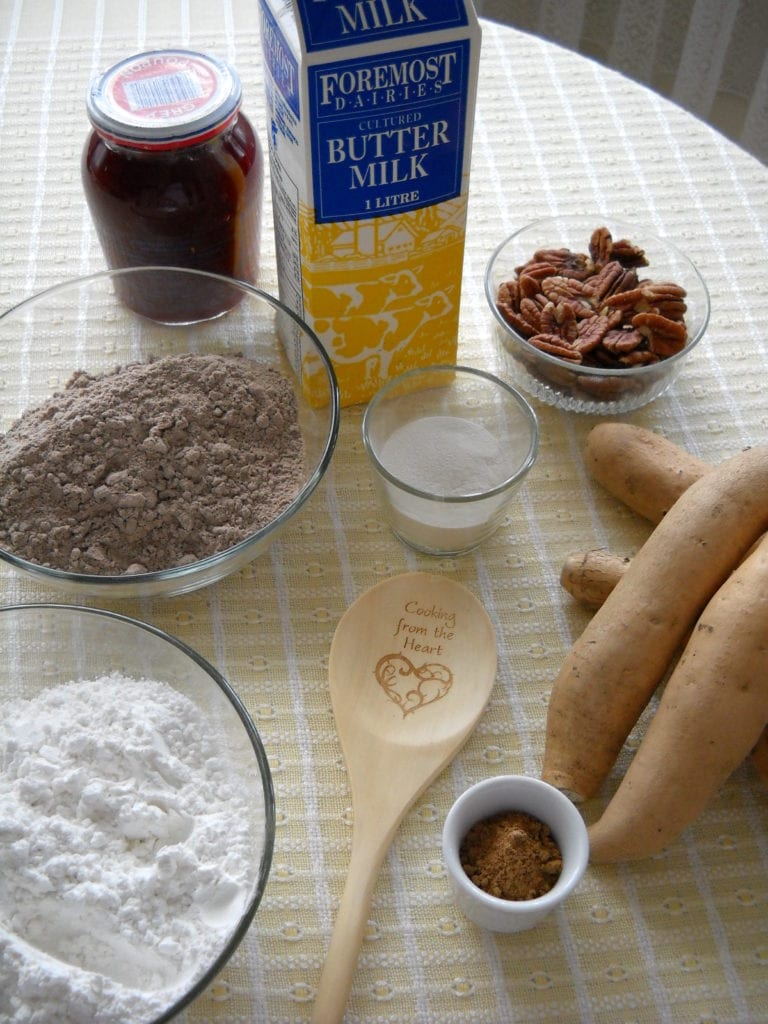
<point>710,716</point>
<point>590,576</point>
<point>759,756</point>
<point>644,470</point>
<point>622,655</point>
<point>664,471</point>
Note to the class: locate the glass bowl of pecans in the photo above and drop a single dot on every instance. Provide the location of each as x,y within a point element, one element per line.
<point>594,316</point>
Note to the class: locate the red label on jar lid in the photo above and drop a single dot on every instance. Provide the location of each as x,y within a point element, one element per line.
<point>164,98</point>
<point>165,87</point>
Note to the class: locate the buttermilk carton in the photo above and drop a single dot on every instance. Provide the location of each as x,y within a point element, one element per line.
<point>370,109</point>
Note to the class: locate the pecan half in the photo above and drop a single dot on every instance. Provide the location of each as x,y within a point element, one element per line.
<point>528,285</point>
<point>601,245</point>
<point>661,291</point>
<point>530,311</point>
<point>621,340</point>
<point>649,297</point>
<point>508,295</point>
<point>566,263</point>
<point>556,346</point>
<point>591,333</point>
<point>566,318</point>
<point>640,357</point>
<point>628,255</point>
<point>539,269</point>
<point>558,288</point>
<point>665,337</point>
<point>603,248</point>
<point>515,321</point>
<point>604,282</point>
<point>548,321</point>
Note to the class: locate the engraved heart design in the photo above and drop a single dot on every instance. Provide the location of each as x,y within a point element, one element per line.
<point>410,687</point>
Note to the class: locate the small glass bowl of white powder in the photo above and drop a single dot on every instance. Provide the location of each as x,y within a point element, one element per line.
<point>136,819</point>
<point>450,447</point>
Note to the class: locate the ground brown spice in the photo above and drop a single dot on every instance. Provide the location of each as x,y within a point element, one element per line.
<point>512,855</point>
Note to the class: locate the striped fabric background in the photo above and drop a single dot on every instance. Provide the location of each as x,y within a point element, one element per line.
<point>709,56</point>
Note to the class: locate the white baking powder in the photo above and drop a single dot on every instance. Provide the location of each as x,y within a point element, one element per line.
<point>448,457</point>
<point>124,852</point>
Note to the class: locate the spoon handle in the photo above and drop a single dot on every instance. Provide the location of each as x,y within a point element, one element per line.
<point>369,848</point>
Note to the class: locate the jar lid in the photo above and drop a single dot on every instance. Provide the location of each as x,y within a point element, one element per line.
<point>164,99</point>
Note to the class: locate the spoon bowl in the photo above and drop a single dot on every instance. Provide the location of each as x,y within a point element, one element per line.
<point>411,668</point>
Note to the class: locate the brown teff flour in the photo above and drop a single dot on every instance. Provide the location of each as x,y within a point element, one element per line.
<point>154,465</point>
<point>511,855</point>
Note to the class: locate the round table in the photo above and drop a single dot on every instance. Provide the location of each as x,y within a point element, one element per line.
<point>676,938</point>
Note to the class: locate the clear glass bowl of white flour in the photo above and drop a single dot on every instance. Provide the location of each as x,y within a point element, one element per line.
<point>136,819</point>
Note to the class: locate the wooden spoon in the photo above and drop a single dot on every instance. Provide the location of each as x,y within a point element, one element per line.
<point>411,668</point>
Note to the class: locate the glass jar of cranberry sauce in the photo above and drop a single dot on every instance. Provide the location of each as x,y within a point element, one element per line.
<point>173,176</point>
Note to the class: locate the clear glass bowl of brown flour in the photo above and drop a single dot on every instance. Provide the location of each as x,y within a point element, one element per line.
<point>141,458</point>
<point>138,819</point>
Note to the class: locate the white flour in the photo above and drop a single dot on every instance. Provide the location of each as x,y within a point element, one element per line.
<point>124,853</point>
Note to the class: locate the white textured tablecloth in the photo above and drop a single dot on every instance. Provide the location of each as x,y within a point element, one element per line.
<point>680,938</point>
